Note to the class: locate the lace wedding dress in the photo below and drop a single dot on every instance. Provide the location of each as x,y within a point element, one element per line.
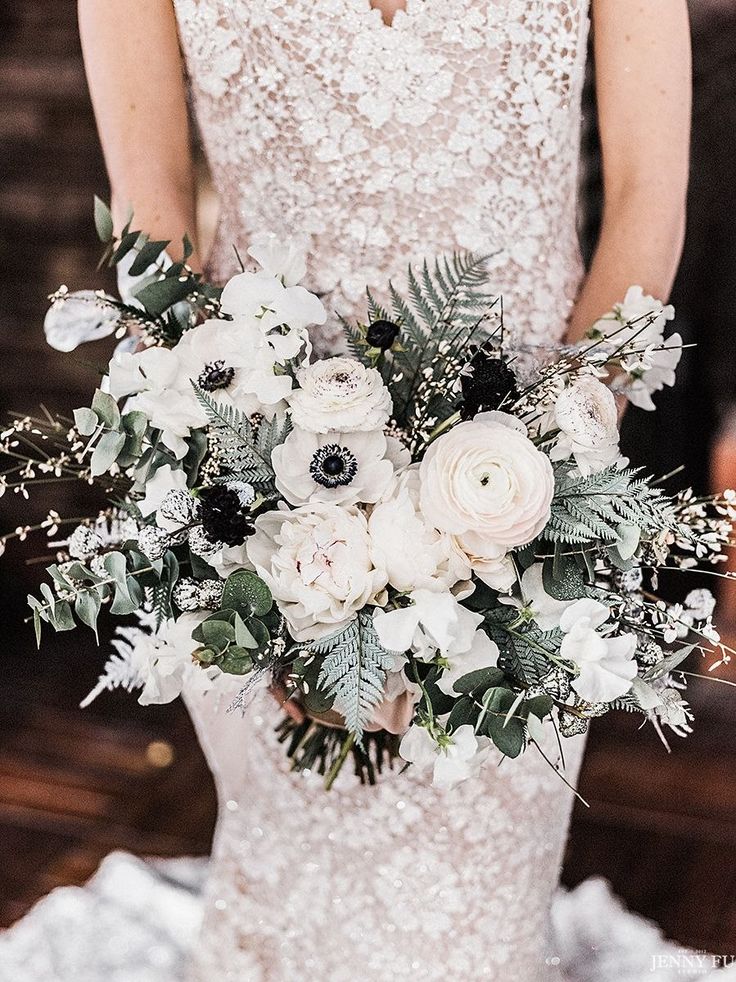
<point>457,127</point>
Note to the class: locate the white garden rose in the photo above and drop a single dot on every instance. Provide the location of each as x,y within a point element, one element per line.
<point>487,484</point>
<point>414,553</point>
<point>586,415</point>
<point>318,563</point>
<point>338,468</point>
<point>340,394</point>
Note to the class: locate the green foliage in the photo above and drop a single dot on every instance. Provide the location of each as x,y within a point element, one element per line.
<point>353,672</point>
<point>525,653</point>
<point>103,221</point>
<point>241,448</point>
<point>447,306</point>
<point>594,508</point>
<point>235,638</point>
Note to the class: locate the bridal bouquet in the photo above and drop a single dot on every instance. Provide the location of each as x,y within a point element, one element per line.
<point>431,544</point>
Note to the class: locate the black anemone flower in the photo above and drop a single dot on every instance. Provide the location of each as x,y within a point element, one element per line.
<point>223,517</point>
<point>487,383</point>
<point>382,334</point>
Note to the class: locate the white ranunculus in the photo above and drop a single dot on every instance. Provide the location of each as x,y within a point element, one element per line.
<point>284,260</point>
<point>545,609</point>
<point>483,653</point>
<point>340,394</point>
<point>318,564</point>
<point>432,622</point>
<point>586,415</point>
<point>456,761</point>
<point>414,554</point>
<point>487,484</point>
<point>337,468</point>
<point>264,298</point>
<point>75,318</point>
<point>606,665</point>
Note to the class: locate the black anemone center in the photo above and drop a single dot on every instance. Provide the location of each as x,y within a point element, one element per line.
<point>333,466</point>
<point>216,375</point>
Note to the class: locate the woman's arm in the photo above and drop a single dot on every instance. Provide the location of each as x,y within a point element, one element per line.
<point>135,74</point>
<point>643,79</point>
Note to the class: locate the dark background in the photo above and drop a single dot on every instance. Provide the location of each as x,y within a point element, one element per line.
<point>74,785</point>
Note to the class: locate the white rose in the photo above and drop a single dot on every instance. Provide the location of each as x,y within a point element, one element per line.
<point>340,394</point>
<point>337,468</point>
<point>606,665</point>
<point>461,755</point>
<point>586,415</point>
<point>487,484</point>
<point>414,553</point>
<point>318,563</point>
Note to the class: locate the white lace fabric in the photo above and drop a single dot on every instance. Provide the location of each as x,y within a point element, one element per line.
<point>457,127</point>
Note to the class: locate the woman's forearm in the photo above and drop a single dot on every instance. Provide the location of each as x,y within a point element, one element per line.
<point>635,247</point>
<point>135,74</point>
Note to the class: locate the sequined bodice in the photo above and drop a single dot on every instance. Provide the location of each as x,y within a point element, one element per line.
<point>457,127</point>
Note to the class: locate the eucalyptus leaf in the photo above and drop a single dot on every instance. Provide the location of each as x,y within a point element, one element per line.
<point>106,452</point>
<point>147,256</point>
<point>246,593</point>
<point>106,409</point>
<point>87,608</point>
<point>158,296</point>
<point>86,421</point>
<point>103,221</point>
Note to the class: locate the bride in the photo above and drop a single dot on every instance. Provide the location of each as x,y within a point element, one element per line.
<point>379,133</point>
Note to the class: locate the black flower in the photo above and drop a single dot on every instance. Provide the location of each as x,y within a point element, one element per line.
<point>223,517</point>
<point>382,334</point>
<point>333,466</point>
<point>487,383</point>
<point>216,375</point>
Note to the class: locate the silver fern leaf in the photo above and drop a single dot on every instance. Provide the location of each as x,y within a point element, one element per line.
<point>354,670</point>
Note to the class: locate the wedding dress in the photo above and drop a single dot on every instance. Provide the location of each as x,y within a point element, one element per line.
<point>456,127</point>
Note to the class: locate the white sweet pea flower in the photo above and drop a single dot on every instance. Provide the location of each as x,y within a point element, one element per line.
<point>432,622</point>
<point>631,319</point>
<point>545,610</point>
<point>166,661</point>
<point>263,298</point>
<point>318,564</point>
<point>606,664</point>
<point>336,468</point>
<point>652,371</point>
<point>487,484</point>
<point>483,653</point>
<point>284,260</point>
<point>414,554</point>
<point>586,415</point>
<point>460,755</point>
<point>164,480</point>
<point>75,318</point>
<point>340,394</point>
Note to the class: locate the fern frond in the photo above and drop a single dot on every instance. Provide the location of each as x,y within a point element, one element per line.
<point>354,671</point>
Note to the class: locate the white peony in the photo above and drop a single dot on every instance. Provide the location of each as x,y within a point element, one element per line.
<point>74,318</point>
<point>586,415</point>
<point>606,664</point>
<point>487,484</point>
<point>545,610</point>
<point>340,394</point>
<point>460,755</point>
<point>317,561</point>
<point>414,554</point>
<point>337,468</point>
<point>432,622</point>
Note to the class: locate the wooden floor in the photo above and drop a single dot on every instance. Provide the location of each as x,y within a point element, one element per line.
<point>73,784</point>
